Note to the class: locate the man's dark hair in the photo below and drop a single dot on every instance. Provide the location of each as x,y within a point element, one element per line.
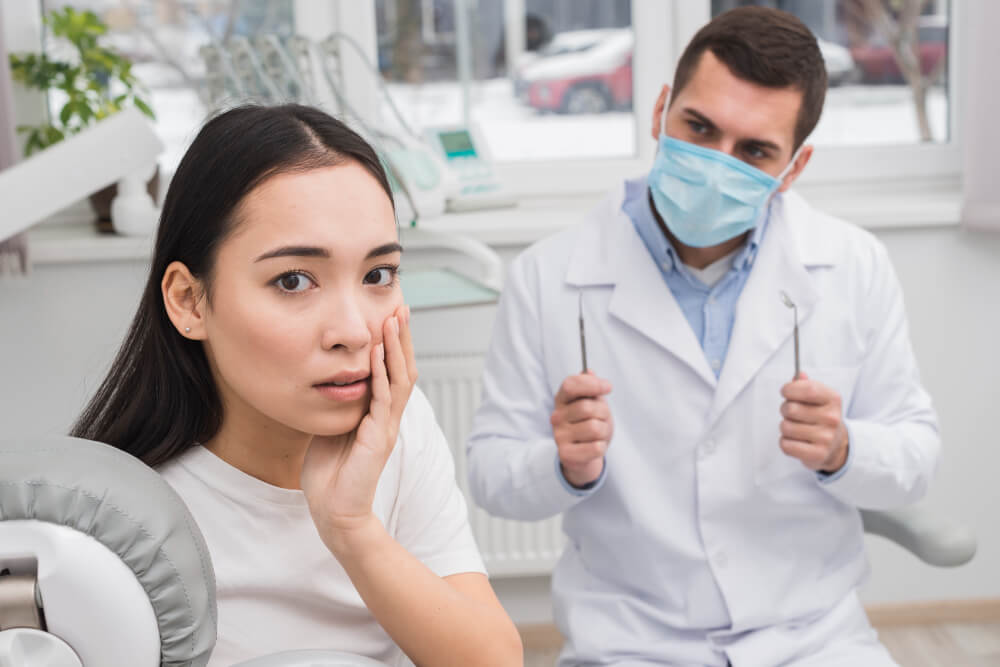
<point>765,46</point>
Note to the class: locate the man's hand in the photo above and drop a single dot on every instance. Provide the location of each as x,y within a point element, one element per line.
<point>813,428</point>
<point>582,427</point>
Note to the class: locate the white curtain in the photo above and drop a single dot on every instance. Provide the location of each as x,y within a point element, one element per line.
<point>981,120</point>
<point>13,251</point>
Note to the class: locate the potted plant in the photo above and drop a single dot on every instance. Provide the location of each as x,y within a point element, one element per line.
<point>97,83</point>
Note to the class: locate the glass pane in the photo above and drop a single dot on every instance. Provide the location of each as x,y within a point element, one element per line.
<point>565,92</point>
<point>872,99</point>
<point>166,40</point>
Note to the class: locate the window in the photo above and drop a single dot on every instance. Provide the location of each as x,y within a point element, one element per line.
<point>872,99</point>
<point>166,41</point>
<point>567,75</point>
<point>870,131</point>
<point>559,92</point>
<point>881,121</point>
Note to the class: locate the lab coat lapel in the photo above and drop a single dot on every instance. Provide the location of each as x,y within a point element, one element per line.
<point>763,323</point>
<point>643,301</point>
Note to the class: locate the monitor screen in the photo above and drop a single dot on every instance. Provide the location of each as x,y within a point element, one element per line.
<point>458,142</point>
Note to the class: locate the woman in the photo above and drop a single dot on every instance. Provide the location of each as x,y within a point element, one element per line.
<point>269,375</point>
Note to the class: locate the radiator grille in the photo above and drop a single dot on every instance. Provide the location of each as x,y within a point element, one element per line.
<point>510,548</point>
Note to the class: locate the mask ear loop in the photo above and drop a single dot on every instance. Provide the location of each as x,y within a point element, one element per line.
<point>663,116</point>
<point>791,163</point>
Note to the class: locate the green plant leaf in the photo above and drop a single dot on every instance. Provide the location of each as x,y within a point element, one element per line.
<point>34,142</point>
<point>53,135</point>
<point>87,84</point>
<point>67,112</point>
<point>143,107</point>
<point>82,110</point>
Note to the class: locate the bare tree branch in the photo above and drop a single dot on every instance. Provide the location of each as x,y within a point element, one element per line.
<point>898,22</point>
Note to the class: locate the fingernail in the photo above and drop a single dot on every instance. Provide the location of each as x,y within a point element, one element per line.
<point>380,351</point>
<point>395,324</point>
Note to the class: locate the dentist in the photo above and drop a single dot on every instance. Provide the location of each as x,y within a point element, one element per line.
<point>709,494</point>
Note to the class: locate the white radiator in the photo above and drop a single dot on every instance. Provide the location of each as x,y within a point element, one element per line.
<point>510,548</point>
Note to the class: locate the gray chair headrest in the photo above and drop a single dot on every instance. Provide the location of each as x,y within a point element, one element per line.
<point>126,506</point>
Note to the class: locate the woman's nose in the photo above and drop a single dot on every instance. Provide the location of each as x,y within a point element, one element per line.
<point>346,327</point>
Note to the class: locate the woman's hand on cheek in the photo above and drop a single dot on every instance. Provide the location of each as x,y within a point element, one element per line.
<point>340,473</point>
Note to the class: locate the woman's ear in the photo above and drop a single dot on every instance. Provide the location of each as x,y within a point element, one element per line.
<point>183,297</point>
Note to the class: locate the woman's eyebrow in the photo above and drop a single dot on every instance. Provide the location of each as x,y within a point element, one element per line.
<point>384,249</point>
<point>315,251</point>
<point>295,251</point>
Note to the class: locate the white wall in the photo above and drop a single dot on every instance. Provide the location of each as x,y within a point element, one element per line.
<point>60,328</point>
<point>951,282</point>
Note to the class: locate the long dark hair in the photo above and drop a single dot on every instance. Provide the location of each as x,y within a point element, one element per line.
<point>159,397</point>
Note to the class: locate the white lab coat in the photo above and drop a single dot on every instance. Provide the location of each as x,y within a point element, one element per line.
<point>704,537</point>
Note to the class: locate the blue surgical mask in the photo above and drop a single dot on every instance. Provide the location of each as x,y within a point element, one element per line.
<point>707,197</point>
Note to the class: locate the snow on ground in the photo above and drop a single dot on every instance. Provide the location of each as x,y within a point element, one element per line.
<point>853,116</point>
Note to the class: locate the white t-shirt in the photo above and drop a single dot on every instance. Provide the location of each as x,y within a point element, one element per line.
<point>714,272</point>
<point>279,588</point>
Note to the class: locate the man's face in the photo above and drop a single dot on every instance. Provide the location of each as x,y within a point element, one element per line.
<point>753,123</point>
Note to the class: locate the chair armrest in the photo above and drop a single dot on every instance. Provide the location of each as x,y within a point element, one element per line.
<point>928,537</point>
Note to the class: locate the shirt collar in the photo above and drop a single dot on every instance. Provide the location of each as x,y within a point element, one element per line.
<point>639,209</point>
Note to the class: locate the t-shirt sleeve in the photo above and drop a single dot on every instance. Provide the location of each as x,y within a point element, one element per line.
<point>433,516</point>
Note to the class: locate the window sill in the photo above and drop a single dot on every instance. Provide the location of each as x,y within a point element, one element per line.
<point>72,241</point>
<point>878,207</point>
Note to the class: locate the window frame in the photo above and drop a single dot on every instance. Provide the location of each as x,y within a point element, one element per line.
<point>911,167</point>
<point>830,167</point>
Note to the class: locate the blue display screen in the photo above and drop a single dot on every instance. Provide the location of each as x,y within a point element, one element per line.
<point>457,143</point>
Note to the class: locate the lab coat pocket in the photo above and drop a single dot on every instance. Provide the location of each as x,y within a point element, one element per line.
<point>771,463</point>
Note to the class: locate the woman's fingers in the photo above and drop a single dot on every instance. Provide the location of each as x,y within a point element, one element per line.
<point>381,393</point>
<point>395,359</point>
<point>406,339</point>
<point>394,331</point>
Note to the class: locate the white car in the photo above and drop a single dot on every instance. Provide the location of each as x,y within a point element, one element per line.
<point>840,65</point>
<point>590,71</point>
<point>579,71</point>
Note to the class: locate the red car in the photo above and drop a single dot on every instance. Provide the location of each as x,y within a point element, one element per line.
<point>877,62</point>
<point>582,71</point>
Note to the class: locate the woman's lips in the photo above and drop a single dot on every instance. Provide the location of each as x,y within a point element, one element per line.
<point>346,392</point>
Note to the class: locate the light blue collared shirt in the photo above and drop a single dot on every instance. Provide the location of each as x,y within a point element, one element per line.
<point>711,311</point>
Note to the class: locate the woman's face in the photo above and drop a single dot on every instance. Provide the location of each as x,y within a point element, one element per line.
<point>300,291</point>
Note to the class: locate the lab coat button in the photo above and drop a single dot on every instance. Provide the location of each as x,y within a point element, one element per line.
<point>707,448</point>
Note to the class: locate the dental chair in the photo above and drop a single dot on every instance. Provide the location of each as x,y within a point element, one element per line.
<point>102,565</point>
<point>927,536</point>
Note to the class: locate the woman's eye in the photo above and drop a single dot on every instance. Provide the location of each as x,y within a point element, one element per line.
<point>293,282</point>
<point>382,276</point>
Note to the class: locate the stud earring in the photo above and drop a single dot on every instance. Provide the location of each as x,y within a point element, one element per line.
<point>187,329</point>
